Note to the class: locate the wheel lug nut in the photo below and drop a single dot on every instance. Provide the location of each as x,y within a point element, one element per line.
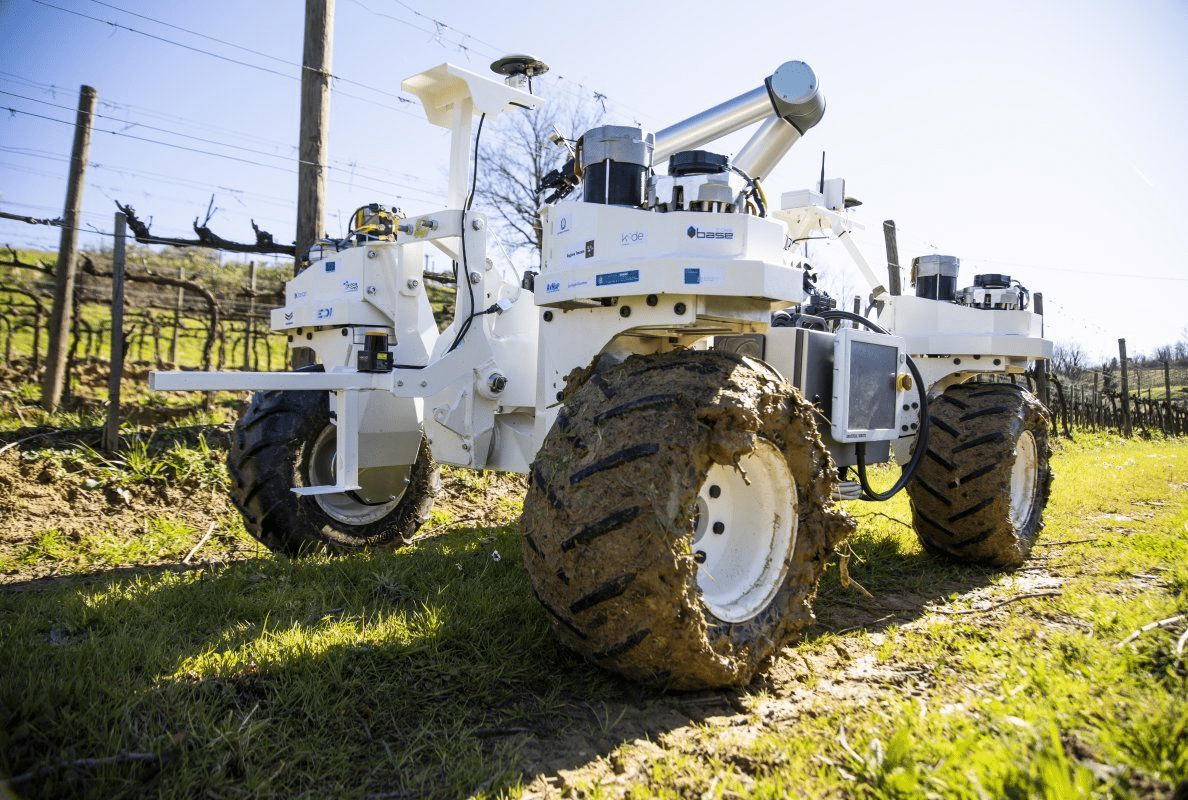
<point>715,491</point>
<point>719,527</point>
<point>699,556</point>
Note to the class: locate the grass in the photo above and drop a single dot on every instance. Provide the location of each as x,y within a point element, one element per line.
<point>431,671</point>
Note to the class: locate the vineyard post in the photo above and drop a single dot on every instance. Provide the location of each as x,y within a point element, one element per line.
<point>1125,389</point>
<point>894,279</point>
<point>248,346</point>
<point>177,311</point>
<point>111,430</point>
<point>1041,366</point>
<point>60,315</point>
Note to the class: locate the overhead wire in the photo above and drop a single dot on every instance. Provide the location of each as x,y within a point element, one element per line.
<point>199,151</point>
<point>236,61</point>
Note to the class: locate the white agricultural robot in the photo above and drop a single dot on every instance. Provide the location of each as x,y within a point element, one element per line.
<point>684,401</point>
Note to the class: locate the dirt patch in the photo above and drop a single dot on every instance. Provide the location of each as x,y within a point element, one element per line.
<point>50,482</point>
<point>60,489</point>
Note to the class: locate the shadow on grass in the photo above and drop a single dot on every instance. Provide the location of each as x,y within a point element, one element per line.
<point>430,672</point>
<point>901,579</point>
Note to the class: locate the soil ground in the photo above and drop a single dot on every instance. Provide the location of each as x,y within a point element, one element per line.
<point>40,491</point>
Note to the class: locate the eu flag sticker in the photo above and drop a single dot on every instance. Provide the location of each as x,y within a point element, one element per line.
<point>692,275</point>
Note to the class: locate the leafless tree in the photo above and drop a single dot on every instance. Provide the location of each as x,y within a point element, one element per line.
<point>1069,360</point>
<point>518,150</point>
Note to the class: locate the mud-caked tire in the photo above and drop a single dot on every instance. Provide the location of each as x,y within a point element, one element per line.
<point>678,518</point>
<point>286,439</point>
<point>980,492</point>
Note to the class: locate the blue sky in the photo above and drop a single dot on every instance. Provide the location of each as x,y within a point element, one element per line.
<point>1040,139</point>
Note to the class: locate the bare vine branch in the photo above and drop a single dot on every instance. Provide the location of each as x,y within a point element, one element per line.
<point>265,243</point>
<point>164,280</point>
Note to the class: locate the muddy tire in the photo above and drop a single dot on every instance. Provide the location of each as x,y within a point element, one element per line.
<point>286,439</point>
<point>982,486</point>
<point>677,518</point>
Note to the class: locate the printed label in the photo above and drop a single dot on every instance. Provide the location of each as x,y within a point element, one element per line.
<point>552,286</point>
<point>718,234</point>
<point>633,237</point>
<point>349,287</point>
<point>590,249</point>
<point>704,276</point>
<point>325,313</point>
<point>330,265</point>
<point>612,278</point>
<point>562,225</point>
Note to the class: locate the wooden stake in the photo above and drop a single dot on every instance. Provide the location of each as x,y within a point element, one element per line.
<point>111,430</point>
<point>62,312</point>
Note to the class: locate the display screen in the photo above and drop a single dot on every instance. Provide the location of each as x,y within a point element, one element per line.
<point>873,369</point>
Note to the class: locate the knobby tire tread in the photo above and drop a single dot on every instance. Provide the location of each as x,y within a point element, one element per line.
<point>608,515</point>
<point>961,495</point>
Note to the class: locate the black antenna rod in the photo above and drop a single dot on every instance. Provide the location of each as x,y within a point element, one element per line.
<point>821,189</point>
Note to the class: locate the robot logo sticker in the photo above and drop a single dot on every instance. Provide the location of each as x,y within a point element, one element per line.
<point>590,249</point>
<point>720,234</point>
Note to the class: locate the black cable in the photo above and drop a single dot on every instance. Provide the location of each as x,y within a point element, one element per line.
<point>464,326</point>
<point>909,469</point>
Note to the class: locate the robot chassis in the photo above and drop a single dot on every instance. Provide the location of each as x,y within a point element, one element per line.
<point>684,401</point>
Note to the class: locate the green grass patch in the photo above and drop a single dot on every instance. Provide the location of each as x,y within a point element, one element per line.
<point>432,672</point>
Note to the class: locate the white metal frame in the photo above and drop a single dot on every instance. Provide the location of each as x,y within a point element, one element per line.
<point>614,281</point>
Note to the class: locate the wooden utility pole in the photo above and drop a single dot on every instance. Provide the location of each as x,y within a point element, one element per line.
<point>894,279</point>
<point>315,124</point>
<point>62,312</point>
<point>1125,389</point>
<point>315,138</point>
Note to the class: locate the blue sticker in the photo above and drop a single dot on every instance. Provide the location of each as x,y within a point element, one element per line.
<point>692,275</point>
<point>611,278</point>
<point>329,266</point>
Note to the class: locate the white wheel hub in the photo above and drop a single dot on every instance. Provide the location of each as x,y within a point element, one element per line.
<point>1024,479</point>
<point>745,533</point>
<point>380,488</point>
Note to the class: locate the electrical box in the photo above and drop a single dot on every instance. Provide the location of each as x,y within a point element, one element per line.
<point>870,382</point>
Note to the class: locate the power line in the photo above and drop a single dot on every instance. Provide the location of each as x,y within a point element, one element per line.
<point>221,57</point>
<point>394,177</point>
<point>286,62</point>
<point>203,152</point>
